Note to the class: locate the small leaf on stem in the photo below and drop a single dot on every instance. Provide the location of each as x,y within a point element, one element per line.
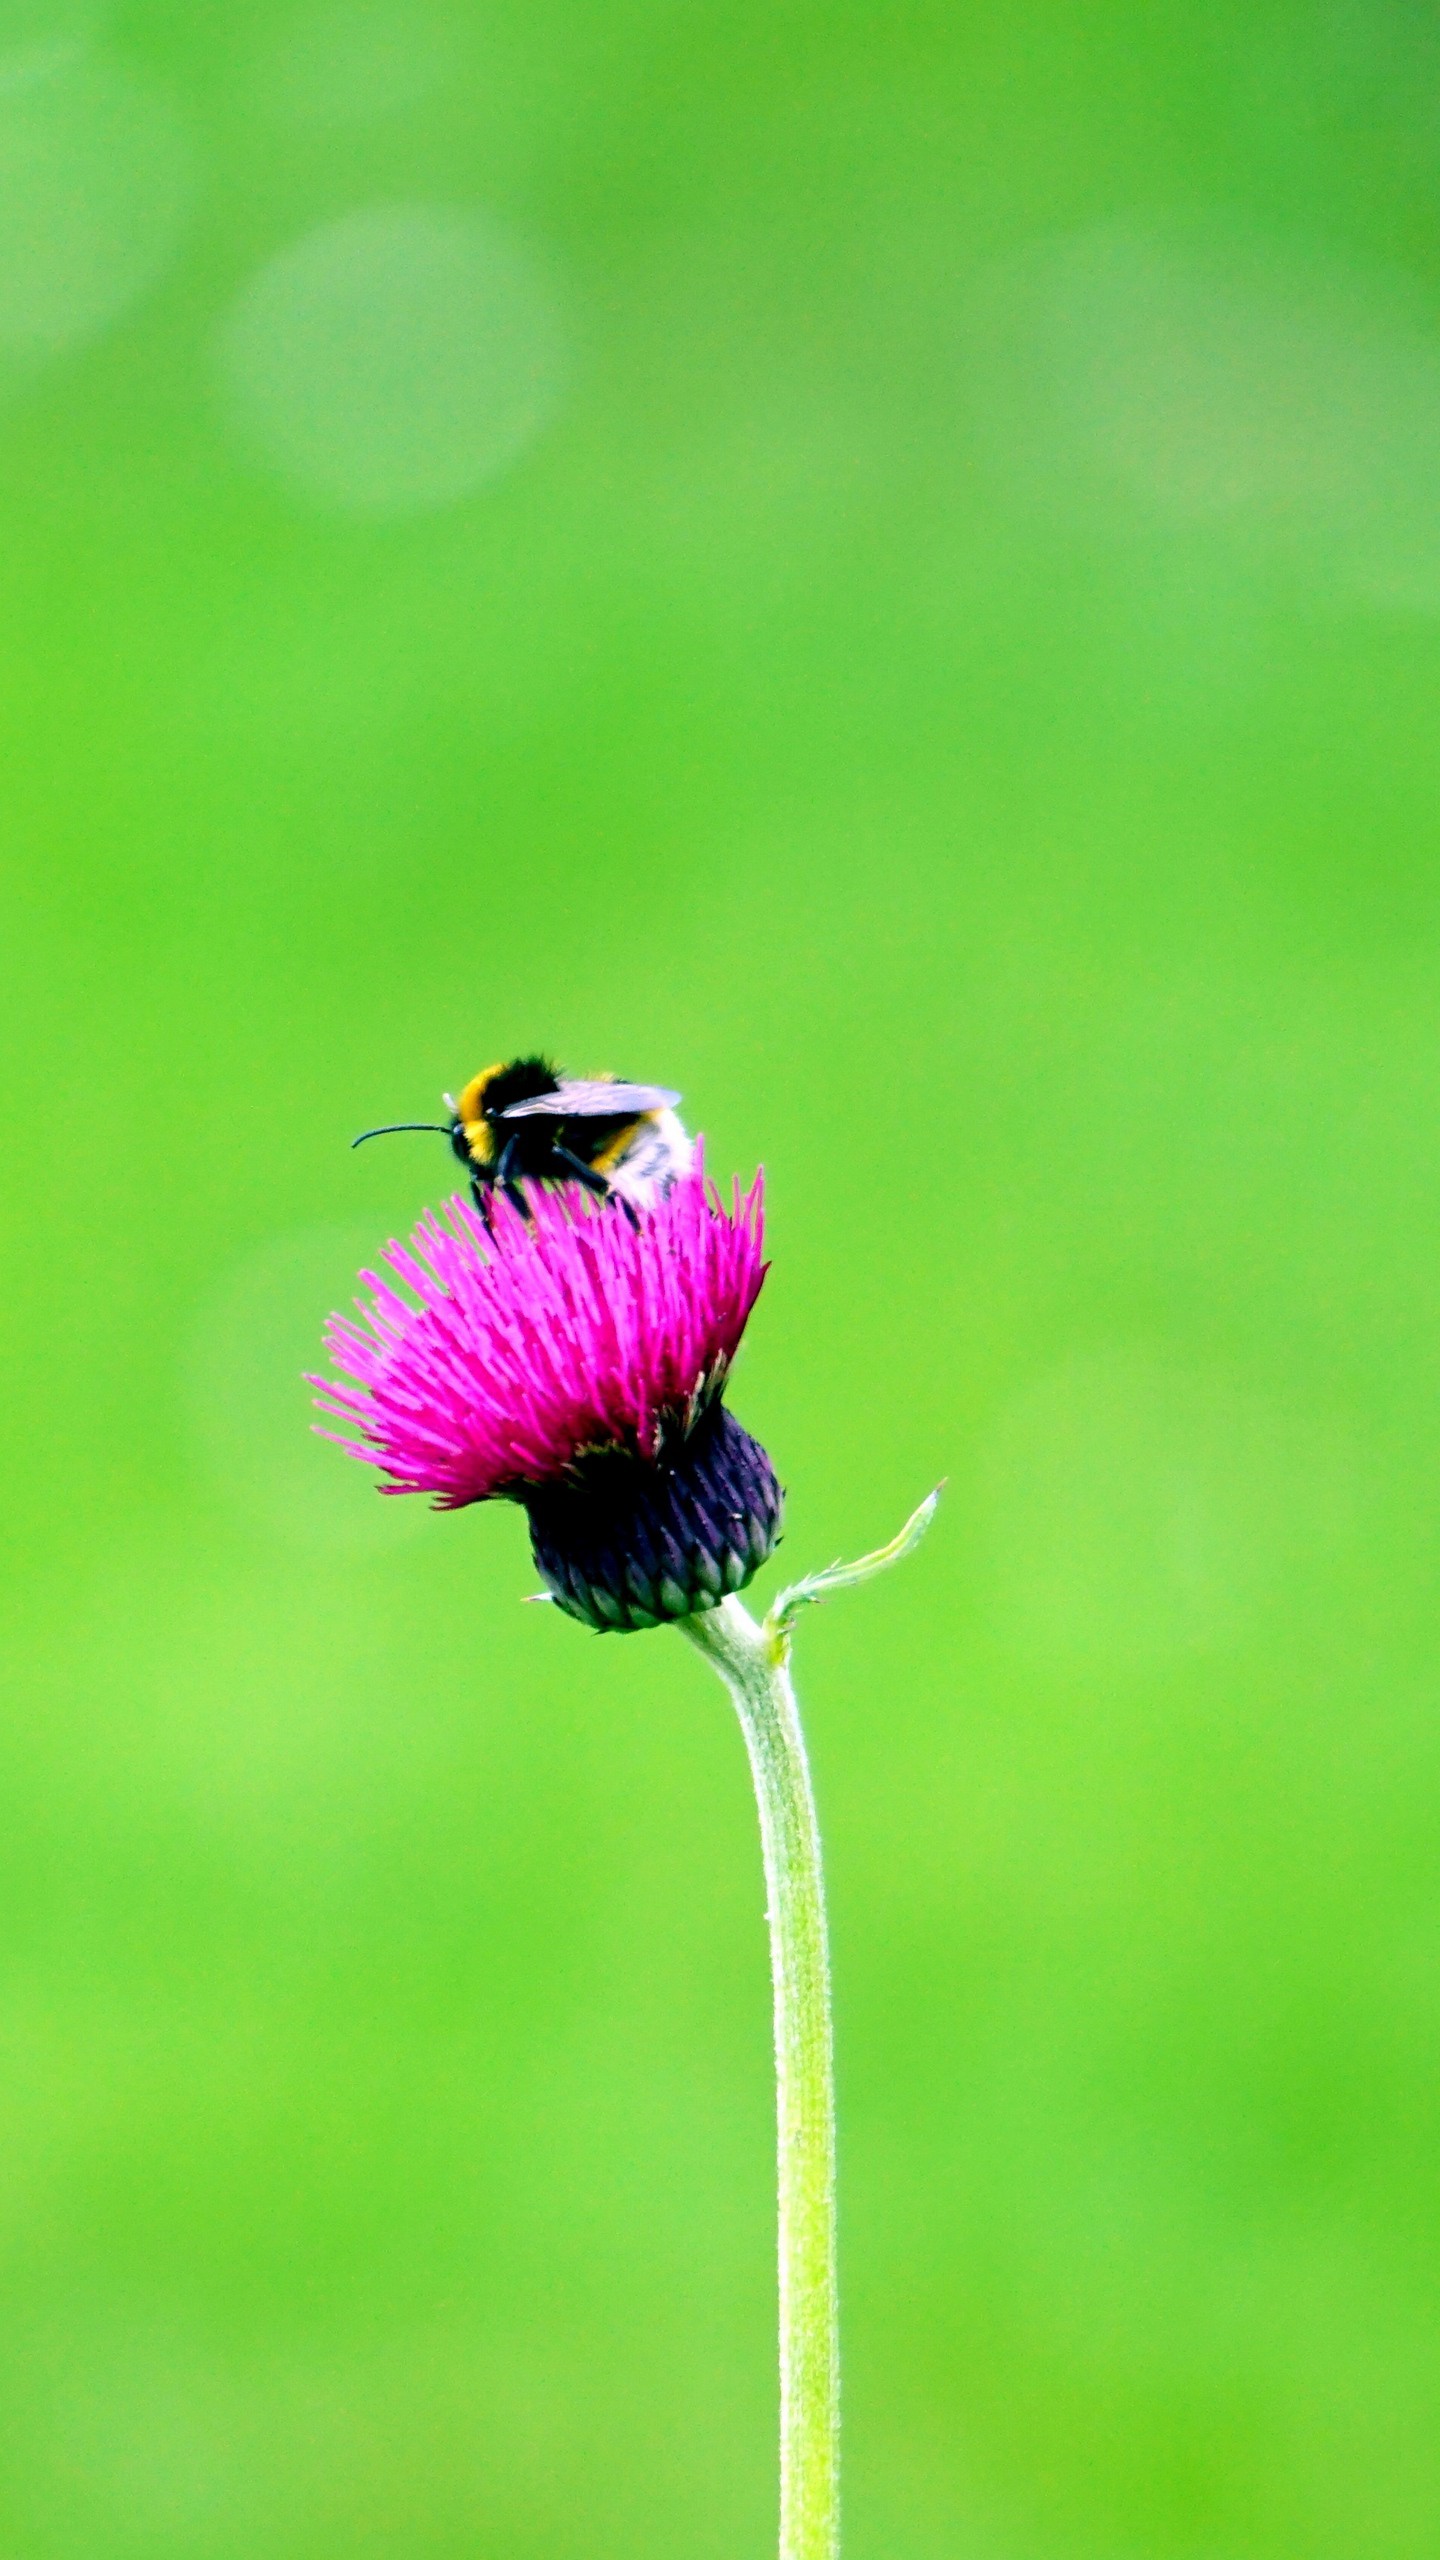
<point>842,1577</point>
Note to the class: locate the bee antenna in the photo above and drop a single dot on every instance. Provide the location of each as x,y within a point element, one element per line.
<point>393,1128</point>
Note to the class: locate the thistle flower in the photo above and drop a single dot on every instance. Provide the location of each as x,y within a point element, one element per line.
<point>574,1362</point>
<point>573,1359</point>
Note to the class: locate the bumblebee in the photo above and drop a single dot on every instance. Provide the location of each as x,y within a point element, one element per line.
<point>525,1122</point>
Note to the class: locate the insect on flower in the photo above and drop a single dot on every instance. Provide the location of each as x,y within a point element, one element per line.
<point>534,1349</point>
<point>575,1363</point>
<point>523,1121</point>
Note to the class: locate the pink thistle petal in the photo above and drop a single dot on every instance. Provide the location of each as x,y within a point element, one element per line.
<point>532,1340</point>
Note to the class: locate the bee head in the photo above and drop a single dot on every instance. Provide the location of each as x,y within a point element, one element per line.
<point>470,1127</point>
<point>489,1094</point>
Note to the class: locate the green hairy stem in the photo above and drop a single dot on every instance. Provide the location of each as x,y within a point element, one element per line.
<point>753,1661</point>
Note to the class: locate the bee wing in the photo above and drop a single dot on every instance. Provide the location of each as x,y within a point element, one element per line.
<point>580,1098</point>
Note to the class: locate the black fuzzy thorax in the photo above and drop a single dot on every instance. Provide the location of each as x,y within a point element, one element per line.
<point>625,1542</point>
<point>524,1080</point>
<point>532,1142</point>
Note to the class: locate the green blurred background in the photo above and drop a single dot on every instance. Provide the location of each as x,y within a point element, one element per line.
<point>882,565</point>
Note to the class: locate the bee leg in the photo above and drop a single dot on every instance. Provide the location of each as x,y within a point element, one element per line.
<point>580,1171</point>
<point>505,1176</point>
<point>596,1182</point>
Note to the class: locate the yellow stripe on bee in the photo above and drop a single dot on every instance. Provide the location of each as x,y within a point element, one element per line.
<point>619,1146</point>
<point>470,1112</point>
<point>471,1105</point>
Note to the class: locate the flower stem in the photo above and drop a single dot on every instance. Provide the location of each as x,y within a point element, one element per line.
<point>752,1661</point>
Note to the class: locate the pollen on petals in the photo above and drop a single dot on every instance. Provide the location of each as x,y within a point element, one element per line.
<point>514,1346</point>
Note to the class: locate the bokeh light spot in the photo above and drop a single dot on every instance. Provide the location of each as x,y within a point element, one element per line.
<point>357,63</point>
<point>254,1340</point>
<point>95,182</point>
<point>36,25</point>
<point>1206,377</point>
<point>395,359</point>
